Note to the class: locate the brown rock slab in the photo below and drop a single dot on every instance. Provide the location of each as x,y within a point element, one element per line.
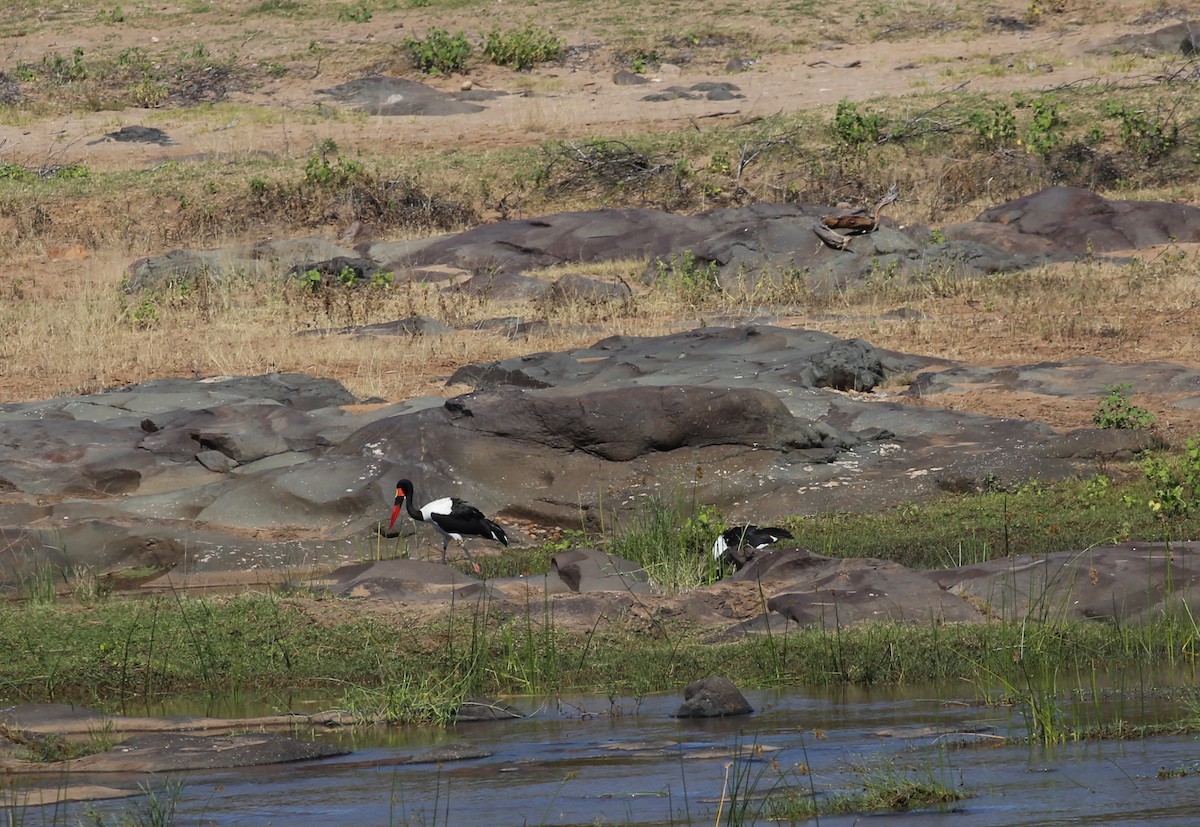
<point>173,751</point>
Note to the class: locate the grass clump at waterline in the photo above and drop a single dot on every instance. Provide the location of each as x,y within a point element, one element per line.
<point>881,788</point>
<point>120,650</point>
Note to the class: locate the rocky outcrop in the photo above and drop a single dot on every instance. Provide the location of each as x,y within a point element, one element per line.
<point>741,247</point>
<point>1122,583</point>
<point>273,473</point>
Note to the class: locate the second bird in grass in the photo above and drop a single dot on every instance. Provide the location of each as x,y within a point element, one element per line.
<point>731,541</point>
<point>451,517</point>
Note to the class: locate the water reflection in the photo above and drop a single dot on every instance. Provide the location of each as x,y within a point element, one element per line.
<point>583,760</point>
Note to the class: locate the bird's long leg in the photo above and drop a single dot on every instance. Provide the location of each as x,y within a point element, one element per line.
<point>445,542</point>
<point>470,559</point>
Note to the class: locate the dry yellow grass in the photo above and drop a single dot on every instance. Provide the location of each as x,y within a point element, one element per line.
<point>66,327</point>
<point>91,336</point>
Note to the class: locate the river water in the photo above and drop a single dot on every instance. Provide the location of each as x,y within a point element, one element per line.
<point>596,760</point>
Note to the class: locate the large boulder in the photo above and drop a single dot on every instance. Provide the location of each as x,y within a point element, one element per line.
<point>712,697</point>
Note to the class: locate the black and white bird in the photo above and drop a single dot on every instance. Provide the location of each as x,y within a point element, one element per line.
<point>730,543</point>
<point>452,518</point>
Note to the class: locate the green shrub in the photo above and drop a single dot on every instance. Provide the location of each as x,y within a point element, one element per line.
<point>61,71</point>
<point>357,13</point>
<point>522,48</point>
<point>14,172</point>
<point>1045,126</point>
<point>1116,411</point>
<point>686,275</point>
<point>1176,484</point>
<point>995,128</point>
<point>854,128</point>
<point>1147,138</point>
<point>148,94</point>
<point>327,168</point>
<point>440,52</point>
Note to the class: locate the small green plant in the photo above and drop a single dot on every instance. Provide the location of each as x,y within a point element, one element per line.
<point>38,586</point>
<point>1149,139</point>
<point>1116,411</point>
<point>522,48</point>
<point>359,12</point>
<point>1045,128</point>
<point>111,16</point>
<point>72,172</point>
<point>326,167</point>
<point>995,128</point>
<point>720,163</point>
<point>853,128</point>
<point>148,94</point>
<point>284,8</point>
<point>407,699</point>
<point>440,52</point>
<point>1175,485</point>
<point>143,315</point>
<point>641,61</point>
<point>1095,491</point>
<point>937,236</point>
<point>881,787</point>
<point>61,71</point>
<point>158,807</point>
<point>684,273</point>
<point>15,172</point>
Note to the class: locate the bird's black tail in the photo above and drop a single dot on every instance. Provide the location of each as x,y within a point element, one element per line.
<point>495,532</point>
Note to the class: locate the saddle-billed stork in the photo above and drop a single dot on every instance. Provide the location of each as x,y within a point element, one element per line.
<point>451,517</point>
<point>731,541</point>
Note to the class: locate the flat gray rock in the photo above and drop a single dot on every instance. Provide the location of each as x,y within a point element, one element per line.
<point>172,751</point>
<point>1070,221</point>
<point>391,96</point>
<point>402,581</point>
<point>1118,583</point>
<point>588,569</point>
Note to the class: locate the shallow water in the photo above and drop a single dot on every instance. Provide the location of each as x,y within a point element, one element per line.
<point>592,760</point>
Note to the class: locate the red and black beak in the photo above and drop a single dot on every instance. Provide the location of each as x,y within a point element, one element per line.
<point>396,508</point>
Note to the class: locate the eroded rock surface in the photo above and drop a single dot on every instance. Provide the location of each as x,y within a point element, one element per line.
<point>207,480</point>
<point>744,245</point>
<point>1126,582</point>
